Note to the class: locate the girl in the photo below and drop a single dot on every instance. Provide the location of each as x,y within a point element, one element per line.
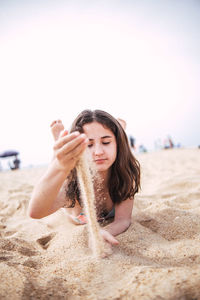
<point>118,173</point>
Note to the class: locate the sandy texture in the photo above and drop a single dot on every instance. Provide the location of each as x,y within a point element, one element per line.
<point>88,197</point>
<point>157,258</point>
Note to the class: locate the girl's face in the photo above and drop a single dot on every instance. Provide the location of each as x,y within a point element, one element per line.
<point>102,145</point>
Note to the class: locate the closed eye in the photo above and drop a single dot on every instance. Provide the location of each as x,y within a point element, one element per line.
<point>106,143</point>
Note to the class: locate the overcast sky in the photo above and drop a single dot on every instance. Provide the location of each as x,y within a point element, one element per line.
<point>138,60</point>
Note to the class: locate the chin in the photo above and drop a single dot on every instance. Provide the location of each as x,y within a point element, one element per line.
<point>101,168</point>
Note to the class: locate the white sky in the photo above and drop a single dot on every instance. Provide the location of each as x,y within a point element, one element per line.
<point>138,60</point>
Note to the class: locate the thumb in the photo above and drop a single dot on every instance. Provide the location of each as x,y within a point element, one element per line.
<point>113,241</point>
<point>110,238</point>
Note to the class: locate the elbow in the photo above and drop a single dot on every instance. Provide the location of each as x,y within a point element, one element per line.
<point>34,210</point>
<point>34,213</point>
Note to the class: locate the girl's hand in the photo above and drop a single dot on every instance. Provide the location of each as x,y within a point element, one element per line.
<point>108,237</point>
<point>109,241</point>
<point>68,149</point>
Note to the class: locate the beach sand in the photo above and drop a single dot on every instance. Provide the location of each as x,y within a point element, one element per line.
<point>158,256</point>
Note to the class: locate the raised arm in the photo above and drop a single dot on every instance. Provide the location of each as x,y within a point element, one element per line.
<point>48,195</point>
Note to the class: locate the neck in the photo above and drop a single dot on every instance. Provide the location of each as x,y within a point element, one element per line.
<point>104,176</point>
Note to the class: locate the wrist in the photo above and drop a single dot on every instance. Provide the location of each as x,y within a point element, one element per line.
<point>57,169</point>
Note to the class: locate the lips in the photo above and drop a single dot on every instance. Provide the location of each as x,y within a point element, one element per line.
<point>100,161</point>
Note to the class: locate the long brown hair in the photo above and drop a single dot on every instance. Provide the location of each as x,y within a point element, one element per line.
<point>124,179</point>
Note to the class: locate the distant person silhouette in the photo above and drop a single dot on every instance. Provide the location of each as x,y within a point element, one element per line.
<point>142,149</point>
<point>168,144</point>
<point>15,164</point>
<point>132,141</point>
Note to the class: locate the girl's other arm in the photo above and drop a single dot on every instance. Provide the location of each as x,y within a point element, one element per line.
<point>122,220</point>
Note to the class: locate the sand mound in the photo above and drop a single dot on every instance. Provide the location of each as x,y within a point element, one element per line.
<point>157,258</point>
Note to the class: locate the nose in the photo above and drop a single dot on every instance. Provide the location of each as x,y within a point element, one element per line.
<point>98,150</point>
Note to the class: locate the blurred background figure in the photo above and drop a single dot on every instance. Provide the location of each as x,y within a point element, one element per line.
<point>132,142</point>
<point>142,149</point>
<point>10,154</point>
<point>168,143</point>
<point>15,164</point>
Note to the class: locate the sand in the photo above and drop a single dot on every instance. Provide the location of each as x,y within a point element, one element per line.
<point>158,256</point>
<point>85,179</point>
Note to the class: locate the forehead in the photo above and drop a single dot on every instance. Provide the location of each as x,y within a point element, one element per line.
<point>96,130</point>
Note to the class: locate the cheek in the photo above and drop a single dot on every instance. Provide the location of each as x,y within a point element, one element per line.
<point>113,153</point>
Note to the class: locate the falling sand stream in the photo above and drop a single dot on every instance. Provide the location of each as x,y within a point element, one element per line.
<point>88,197</point>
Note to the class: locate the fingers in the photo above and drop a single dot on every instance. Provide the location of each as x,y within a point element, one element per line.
<point>76,145</point>
<point>68,149</point>
<point>68,142</point>
<point>109,237</point>
<point>65,138</point>
<point>74,153</point>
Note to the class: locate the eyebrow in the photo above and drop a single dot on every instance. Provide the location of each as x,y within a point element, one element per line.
<point>103,137</point>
